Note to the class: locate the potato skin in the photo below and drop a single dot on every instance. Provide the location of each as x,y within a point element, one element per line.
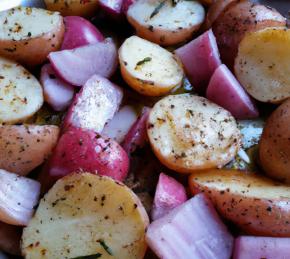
<point>274,149</point>
<point>33,51</point>
<point>255,215</point>
<point>23,148</point>
<point>237,20</point>
<point>85,8</point>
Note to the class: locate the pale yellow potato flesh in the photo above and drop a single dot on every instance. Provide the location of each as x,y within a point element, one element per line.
<point>21,94</point>
<point>262,65</point>
<point>166,22</point>
<point>189,133</point>
<point>80,214</point>
<point>148,68</point>
<point>28,35</point>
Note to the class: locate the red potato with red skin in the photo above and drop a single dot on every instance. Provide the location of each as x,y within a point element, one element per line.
<point>57,93</point>
<point>77,65</point>
<point>84,150</point>
<point>79,32</point>
<point>225,90</point>
<point>137,135</point>
<point>169,195</point>
<point>242,17</point>
<point>200,58</point>
<point>261,247</point>
<point>10,239</point>
<point>126,4</point>
<point>94,105</point>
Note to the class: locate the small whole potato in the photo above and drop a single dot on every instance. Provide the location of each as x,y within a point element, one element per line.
<point>274,151</point>
<point>238,19</point>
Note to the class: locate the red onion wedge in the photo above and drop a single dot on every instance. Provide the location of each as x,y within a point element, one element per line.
<point>18,197</point>
<point>57,93</point>
<point>169,195</point>
<point>225,90</point>
<point>137,135</point>
<point>77,65</point>
<point>200,58</point>
<point>192,230</point>
<point>79,32</point>
<point>118,127</point>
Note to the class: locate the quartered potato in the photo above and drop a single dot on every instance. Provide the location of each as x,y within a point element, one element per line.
<point>24,147</point>
<point>28,35</point>
<point>166,22</point>
<point>148,68</point>
<point>87,215</point>
<point>189,132</point>
<point>256,204</point>
<point>262,64</point>
<point>21,94</point>
<point>86,8</point>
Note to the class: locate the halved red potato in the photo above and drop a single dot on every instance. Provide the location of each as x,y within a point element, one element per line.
<point>242,17</point>
<point>166,22</point>
<point>262,64</point>
<point>274,148</point>
<point>215,10</point>
<point>86,8</point>
<point>28,35</point>
<point>21,95</point>
<point>87,216</point>
<point>188,133</point>
<point>256,204</point>
<point>148,68</point>
<point>24,147</point>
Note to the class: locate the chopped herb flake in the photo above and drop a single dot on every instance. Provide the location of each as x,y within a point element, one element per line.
<point>143,61</point>
<point>98,255</point>
<point>157,9</point>
<point>104,245</point>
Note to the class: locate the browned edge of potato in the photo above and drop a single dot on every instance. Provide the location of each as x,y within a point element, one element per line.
<point>256,204</point>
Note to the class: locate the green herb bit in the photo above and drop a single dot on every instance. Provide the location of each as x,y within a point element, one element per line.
<point>143,61</point>
<point>104,245</point>
<point>157,9</point>
<point>95,256</point>
<point>174,2</point>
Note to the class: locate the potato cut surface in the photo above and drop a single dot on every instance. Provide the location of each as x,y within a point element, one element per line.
<point>24,23</point>
<point>148,68</point>
<point>21,94</point>
<point>262,65</point>
<point>85,214</point>
<point>166,22</point>
<point>189,132</point>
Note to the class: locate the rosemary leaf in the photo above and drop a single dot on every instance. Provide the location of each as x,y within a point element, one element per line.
<point>95,256</point>
<point>157,9</point>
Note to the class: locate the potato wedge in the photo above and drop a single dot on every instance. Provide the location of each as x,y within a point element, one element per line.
<point>21,94</point>
<point>256,204</point>
<point>262,64</point>
<point>148,68</point>
<point>28,35</point>
<point>23,148</point>
<point>239,18</point>
<point>85,214</point>
<point>166,22</point>
<point>85,8</point>
<point>274,149</point>
<point>189,133</point>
